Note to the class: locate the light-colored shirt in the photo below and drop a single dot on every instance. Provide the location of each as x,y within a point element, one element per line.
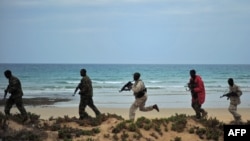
<point>235,99</point>
<point>138,86</point>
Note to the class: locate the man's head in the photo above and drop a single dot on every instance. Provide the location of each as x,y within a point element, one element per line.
<point>137,76</point>
<point>230,81</point>
<point>83,72</point>
<point>192,73</point>
<point>7,74</point>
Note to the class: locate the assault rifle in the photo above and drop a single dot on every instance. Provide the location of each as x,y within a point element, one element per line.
<point>229,94</point>
<point>126,87</point>
<point>5,94</point>
<point>190,86</point>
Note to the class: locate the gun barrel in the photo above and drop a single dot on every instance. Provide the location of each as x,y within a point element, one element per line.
<point>227,95</point>
<point>5,93</point>
<point>126,87</point>
<point>77,87</point>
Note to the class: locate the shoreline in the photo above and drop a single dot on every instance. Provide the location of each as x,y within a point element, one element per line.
<point>39,101</point>
<point>171,101</point>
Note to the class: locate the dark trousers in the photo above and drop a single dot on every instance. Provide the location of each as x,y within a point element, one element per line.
<point>19,104</point>
<point>87,101</point>
<point>197,108</point>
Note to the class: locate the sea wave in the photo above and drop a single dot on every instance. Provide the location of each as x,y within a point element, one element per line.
<point>67,82</point>
<point>118,87</point>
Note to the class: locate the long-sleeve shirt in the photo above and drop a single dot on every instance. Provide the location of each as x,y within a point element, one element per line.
<point>15,87</point>
<point>85,86</point>
<point>235,99</point>
<point>138,87</point>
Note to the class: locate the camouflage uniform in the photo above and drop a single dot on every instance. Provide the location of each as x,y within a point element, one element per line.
<point>234,101</point>
<point>15,89</point>
<point>86,93</point>
<point>140,99</point>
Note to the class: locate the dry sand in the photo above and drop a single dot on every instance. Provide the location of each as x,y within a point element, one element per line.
<point>45,112</point>
<point>107,126</point>
<point>36,105</point>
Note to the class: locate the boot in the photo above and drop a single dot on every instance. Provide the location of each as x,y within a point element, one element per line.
<point>198,116</point>
<point>204,114</point>
<point>238,120</point>
<point>156,107</point>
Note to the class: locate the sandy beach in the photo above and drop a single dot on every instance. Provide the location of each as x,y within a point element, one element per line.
<point>109,128</point>
<point>45,112</point>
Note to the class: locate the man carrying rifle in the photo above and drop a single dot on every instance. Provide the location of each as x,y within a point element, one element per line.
<point>234,96</point>
<point>86,93</point>
<point>197,89</point>
<point>140,93</point>
<point>16,93</point>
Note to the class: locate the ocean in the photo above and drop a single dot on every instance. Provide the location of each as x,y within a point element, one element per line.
<point>165,83</point>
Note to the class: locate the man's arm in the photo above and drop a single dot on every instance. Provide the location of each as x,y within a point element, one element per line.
<point>238,91</point>
<point>6,92</point>
<point>77,87</point>
<point>138,86</point>
<point>229,94</point>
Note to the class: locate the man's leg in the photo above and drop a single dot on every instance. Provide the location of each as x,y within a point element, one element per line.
<point>8,106</point>
<point>132,110</point>
<point>141,102</point>
<point>196,107</point>
<point>20,107</point>
<point>233,110</point>
<point>93,107</point>
<point>82,106</point>
<point>203,112</point>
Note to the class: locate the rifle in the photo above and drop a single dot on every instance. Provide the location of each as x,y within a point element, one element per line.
<point>76,89</point>
<point>190,86</point>
<point>126,87</point>
<point>229,94</point>
<point>5,94</point>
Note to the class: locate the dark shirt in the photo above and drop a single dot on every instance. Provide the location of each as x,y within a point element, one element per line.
<point>85,86</point>
<point>15,87</point>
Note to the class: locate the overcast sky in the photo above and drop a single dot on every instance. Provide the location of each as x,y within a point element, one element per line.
<point>125,31</point>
